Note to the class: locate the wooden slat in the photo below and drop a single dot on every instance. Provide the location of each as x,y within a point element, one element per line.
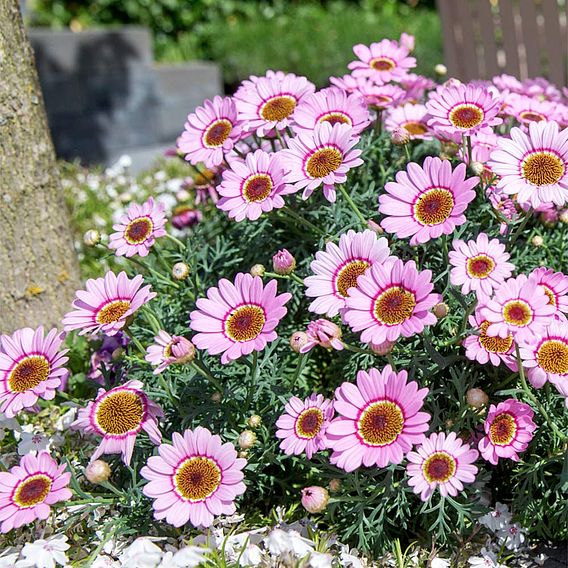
<point>469,52</point>
<point>510,45</point>
<point>452,49</point>
<point>555,41</point>
<point>531,38</point>
<point>487,33</point>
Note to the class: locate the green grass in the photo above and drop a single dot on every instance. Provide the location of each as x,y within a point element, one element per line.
<point>309,40</point>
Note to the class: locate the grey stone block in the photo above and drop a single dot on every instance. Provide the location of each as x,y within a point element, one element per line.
<point>198,79</point>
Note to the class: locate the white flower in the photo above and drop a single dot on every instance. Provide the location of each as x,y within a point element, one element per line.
<point>142,553</point>
<point>7,424</point>
<point>497,519</point>
<point>349,560</point>
<point>45,553</point>
<point>251,555</point>
<point>540,559</point>
<point>189,556</point>
<point>320,560</point>
<point>33,442</point>
<point>65,420</point>
<point>279,542</point>
<point>8,558</point>
<point>440,563</point>
<point>512,536</point>
<point>104,561</point>
<point>486,560</point>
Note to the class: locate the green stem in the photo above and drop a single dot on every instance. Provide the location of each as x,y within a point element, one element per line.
<point>533,398</point>
<point>302,360</point>
<point>352,205</point>
<point>391,361</point>
<point>177,241</point>
<point>292,276</point>
<point>356,349</point>
<point>407,150</point>
<point>301,219</point>
<point>280,139</point>
<point>135,341</point>
<point>203,371</point>
<point>252,383</point>
<point>154,272</point>
<point>520,228</point>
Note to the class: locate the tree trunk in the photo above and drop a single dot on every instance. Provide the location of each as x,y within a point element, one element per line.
<point>38,266</point>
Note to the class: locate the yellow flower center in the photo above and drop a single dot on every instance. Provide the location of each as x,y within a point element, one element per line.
<point>245,323</point>
<point>542,168</point>
<point>394,306</point>
<point>335,117</point>
<point>494,344</point>
<point>480,266</point>
<point>347,277</point>
<point>309,423</point>
<point>278,108</point>
<point>552,356</point>
<point>197,478</point>
<point>550,293</point>
<point>415,128</point>
<point>257,187</point>
<point>113,311</point>
<point>434,206</point>
<point>503,429</point>
<point>323,162</point>
<point>217,133</point>
<point>517,313</point>
<point>466,116</point>
<point>32,491</point>
<point>380,423</point>
<point>29,373</point>
<point>138,230</point>
<point>439,467</point>
<point>531,116</point>
<point>120,412</point>
<point>382,64</point>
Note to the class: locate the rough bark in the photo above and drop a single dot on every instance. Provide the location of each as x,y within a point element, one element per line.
<point>38,266</point>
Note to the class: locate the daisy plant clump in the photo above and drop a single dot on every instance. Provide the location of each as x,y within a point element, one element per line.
<point>331,293</point>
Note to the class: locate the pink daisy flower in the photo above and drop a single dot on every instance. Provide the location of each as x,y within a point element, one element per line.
<point>321,157</point>
<point>527,110</point>
<point>443,462</point>
<point>372,93</point>
<point>28,490</point>
<point>541,88</point>
<point>107,303</point>
<point>482,348</point>
<point>426,202</point>
<point>238,317</point>
<point>555,286</point>
<point>507,83</point>
<point>337,268</point>
<point>519,306</point>
<point>119,415</point>
<point>383,62</point>
<point>253,186</point>
<point>509,428</point>
<point>303,426</point>
<point>379,419</point>
<point>324,333</point>
<point>545,356</point>
<point>391,299</point>
<point>412,117</point>
<point>416,87</point>
<point>331,105</point>
<point>195,479</point>
<point>463,109</point>
<point>210,132</point>
<point>480,266</point>
<point>533,166</point>
<point>169,350</point>
<point>31,367</point>
<point>138,229</point>
<point>270,102</point>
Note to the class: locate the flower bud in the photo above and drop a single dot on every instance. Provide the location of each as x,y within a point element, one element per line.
<point>180,271</point>
<point>283,262</point>
<point>298,340</point>
<point>315,499</point>
<point>183,195</point>
<point>97,472</point>
<point>476,398</point>
<point>563,217</point>
<point>324,333</point>
<point>216,397</point>
<point>537,241</point>
<point>254,421</point>
<point>258,270</point>
<point>185,216</point>
<point>441,310</point>
<point>440,69</point>
<point>400,136</point>
<point>383,348</point>
<point>247,439</point>
<point>92,238</point>
<point>407,40</point>
<point>334,485</point>
<point>477,168</point>
<point>242,454</point>
<point>182,350</point>
<point>375,227</point>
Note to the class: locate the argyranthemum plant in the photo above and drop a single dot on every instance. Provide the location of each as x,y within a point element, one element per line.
<point>388,356</point>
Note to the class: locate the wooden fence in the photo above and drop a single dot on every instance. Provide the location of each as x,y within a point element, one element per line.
<point>524,38</point>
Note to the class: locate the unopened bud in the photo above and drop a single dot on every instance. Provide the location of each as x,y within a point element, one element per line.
<point>400,136</point>
<point>254,421</point>
<point>92,238</point>
<point>216,397</point>
<point>242,454</point>
<point>315,499</point>
<point>334,485</point>
<point>476,398</point>
<point>440,69</point>
<point>180,271</point>
<point>258,270</point>
<point>283,262</point>
<point>183,195</point>
<point>537,241</point>
<point>477,168</point>
<point>383,348</point>
<point>247,439</point>
<point>97,472</point>
<point>375,227</point>
<point>298,340</point>
<point>182,350</point>
<point>563,216</point>
<point>441,310</point>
